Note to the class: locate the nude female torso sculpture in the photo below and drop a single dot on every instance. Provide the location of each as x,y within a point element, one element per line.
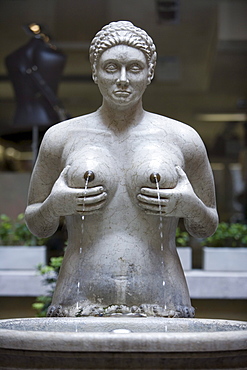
<point>121,255</point>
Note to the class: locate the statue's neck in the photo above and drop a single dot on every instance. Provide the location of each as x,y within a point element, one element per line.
<point>119,119</point>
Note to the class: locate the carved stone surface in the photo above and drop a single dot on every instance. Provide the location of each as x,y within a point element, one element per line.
<point>122,342</point>
<point>147,171</point>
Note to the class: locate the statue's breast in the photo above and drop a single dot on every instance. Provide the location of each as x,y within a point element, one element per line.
<point>156,155</point>
<point>93,152</point>
<point>125,164</point>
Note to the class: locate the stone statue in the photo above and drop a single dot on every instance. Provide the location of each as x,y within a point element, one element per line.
<point>122,177</point>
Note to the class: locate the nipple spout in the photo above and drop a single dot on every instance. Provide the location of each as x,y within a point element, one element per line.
<point>155,177</point>
<point>89,176</point>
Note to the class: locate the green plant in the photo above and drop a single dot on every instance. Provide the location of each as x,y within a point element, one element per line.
<point>50,274</point>
<point>228,235</point>
<point>182,238</point>
<point>15,232</point>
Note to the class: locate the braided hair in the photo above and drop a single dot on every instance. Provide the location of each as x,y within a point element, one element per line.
<point>124,33</point>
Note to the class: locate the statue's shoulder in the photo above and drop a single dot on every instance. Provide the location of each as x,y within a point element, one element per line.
<point>180,134</point>
<point>174,127</point>
<point>60,132</point>
<point>185,131</point>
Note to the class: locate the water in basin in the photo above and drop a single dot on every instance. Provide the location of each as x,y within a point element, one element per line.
<point>122,325</point>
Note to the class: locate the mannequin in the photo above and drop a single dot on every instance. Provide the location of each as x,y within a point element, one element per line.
<point>35,70</point>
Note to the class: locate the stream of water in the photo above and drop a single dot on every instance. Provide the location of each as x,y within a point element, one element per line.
<point>87,179</point>
<point>160,226</point>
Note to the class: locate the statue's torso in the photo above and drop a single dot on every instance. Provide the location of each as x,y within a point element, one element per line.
<point>118,256</point>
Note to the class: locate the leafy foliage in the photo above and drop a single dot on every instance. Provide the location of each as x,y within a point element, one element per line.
<point>228,235</point>
<point>182,238</point>
<point>15,232</point>
<point>50,273</point>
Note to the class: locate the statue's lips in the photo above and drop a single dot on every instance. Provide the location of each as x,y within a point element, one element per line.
<point>122,93</point>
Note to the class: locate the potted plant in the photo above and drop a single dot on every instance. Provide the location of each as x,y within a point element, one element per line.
<point>183,248</point>
<point>226,250</point>
<point>19,249</point>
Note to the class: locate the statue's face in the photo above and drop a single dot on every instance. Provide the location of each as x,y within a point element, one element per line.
<point>122,75</point>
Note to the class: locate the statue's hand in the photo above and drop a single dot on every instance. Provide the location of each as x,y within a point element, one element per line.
<point>176,202</point>
<point>67,201</point>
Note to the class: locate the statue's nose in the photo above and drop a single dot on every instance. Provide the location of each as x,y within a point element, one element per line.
<point>123,80</point>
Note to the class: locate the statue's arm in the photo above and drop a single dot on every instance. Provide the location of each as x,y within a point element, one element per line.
<point>40,216</point>
<point>202,218</point>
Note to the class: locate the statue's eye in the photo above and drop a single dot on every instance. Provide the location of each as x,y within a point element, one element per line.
<point>111,67</point>
<point>135,67</point>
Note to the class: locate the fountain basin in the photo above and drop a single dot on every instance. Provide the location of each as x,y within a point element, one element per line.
<point>121,342</point>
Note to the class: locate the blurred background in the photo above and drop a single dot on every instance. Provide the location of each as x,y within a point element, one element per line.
<point>201,76</point>
<point>201,79</point>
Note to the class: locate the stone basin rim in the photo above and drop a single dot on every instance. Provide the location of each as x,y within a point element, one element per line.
<point>101,341</point>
